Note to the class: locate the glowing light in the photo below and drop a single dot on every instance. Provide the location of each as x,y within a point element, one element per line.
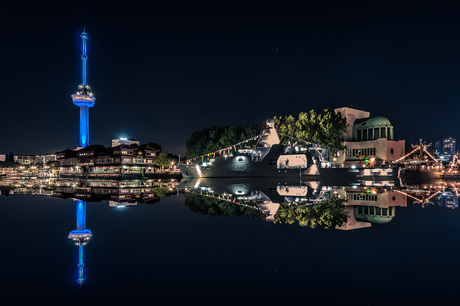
<point>199,170</point>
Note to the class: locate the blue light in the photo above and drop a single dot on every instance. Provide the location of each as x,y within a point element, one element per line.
<point>81,215</point>
<point>81,266</point>
<point>84,98</point>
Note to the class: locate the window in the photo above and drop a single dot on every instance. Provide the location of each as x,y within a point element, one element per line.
<point>383,132</point>
<point>359,135</point>
<point>371,134</point>
<point>388,133</point>
<point>376,133</point>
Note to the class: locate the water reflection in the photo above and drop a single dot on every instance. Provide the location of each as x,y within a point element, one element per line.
<point>346,207</point>
<point>80,236</point>
<point>311,203</point>
<point>118,193</point>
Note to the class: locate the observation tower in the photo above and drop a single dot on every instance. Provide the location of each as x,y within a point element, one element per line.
<point>84,98</point>
<point>81,237</point>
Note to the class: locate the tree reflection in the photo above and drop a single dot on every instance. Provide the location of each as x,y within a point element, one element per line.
<point>328,214</point>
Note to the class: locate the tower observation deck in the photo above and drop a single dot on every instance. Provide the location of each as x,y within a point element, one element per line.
<point>84,98</point>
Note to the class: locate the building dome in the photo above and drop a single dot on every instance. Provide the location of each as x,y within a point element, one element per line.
<point>372,128</point>
<point>372,122</point>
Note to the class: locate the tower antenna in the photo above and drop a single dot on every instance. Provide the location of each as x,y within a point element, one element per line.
<point>84,97</point>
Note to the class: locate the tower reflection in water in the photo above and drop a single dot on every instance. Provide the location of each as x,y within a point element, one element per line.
<point>80,236</point>
<point>364,202</point>
<point>118,193</point>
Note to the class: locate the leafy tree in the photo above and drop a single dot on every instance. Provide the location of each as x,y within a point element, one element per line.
<point>326,128</point>
<point>215,138</point>
<point>163,161</point>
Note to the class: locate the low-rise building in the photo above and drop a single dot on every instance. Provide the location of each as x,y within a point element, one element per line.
<point>369,139</point>
<point>99,161</point>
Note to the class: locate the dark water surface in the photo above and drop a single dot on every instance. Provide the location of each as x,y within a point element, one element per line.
<point>165,254</point>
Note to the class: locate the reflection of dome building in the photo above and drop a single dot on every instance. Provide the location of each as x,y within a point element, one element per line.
<point>374,214</point>
<point>369,137</point>
<point>365,208</point>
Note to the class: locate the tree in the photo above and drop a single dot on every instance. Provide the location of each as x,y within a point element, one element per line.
<point>216,138</point>
<point>326,128</point>
<point>163,160</point>
<point>161,191</point>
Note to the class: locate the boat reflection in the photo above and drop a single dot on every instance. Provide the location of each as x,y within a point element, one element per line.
<point>289,201</point>
<point>358,205</point>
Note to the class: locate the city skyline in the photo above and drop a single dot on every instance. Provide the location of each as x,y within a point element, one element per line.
<point>168,70</point>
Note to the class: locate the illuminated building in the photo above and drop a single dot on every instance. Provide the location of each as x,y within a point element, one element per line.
<point>444,149</point>
<point>369,138</point>
<point>81,237</point>
<point>35,159</point>
<point>97,161</point>
<point>125,141</point>
<point>84,98</point>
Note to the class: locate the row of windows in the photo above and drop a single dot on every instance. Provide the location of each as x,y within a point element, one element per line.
<point>376,211</point>
<point>138,160</point>
<point>360,197</point>
<point>361,152</point>
<point>374,133</point>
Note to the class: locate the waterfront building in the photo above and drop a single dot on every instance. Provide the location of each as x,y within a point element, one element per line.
<point>122,191</point>
<point>369,138</point>
<point>125,141</point>
<point>97,161</point>
<point>2,157</point>
<point>84,98</point>
<point>35,159</point>
<point>29,176</point>
<point>45,158</point>
<point>444,149</point>
<point>25,159</point>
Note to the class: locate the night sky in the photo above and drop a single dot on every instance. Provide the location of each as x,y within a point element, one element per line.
<point>161,71</point>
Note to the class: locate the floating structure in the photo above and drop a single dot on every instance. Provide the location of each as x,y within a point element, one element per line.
<point>84,98</point>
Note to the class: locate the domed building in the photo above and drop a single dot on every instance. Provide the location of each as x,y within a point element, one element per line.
<point>369,138</point>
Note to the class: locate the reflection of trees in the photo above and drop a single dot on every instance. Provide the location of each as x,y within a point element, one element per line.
<point>327,214</point>
<point>162,191</point>
<point>216,207</point>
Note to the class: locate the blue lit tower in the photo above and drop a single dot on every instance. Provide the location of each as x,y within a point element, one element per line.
<point>81,236</point>
<point>84,98</point>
